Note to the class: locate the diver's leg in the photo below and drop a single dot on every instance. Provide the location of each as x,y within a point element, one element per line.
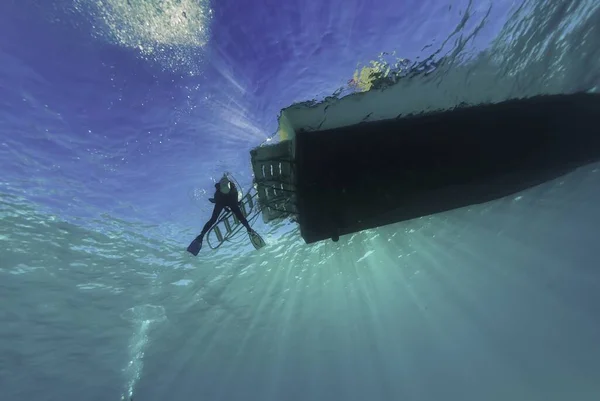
<point>240,216</point>
<point>213,219</point>
<point>196,245</point>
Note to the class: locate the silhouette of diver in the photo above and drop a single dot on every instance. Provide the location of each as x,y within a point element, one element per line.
<point>226,196</point>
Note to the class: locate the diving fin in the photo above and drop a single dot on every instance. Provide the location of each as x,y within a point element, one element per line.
<point>195,247</point>
<point>256,240</point>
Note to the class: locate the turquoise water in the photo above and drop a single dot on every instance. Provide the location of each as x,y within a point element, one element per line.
<point>116,116</point>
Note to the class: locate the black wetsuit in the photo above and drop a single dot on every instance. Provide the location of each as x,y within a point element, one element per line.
<point>222,200</point>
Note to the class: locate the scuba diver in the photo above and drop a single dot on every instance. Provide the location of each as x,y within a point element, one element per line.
<point>226,197</point>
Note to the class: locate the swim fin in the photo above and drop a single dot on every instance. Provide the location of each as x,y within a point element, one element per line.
<point>195,247</point>
<point>256,240</point>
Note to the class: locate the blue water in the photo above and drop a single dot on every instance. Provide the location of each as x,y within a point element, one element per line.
<point>116,117</point>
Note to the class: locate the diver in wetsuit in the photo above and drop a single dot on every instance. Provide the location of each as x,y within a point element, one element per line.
<point>226,195</point>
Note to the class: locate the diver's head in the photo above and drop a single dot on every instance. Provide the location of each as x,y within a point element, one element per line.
<point>224,185</point>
